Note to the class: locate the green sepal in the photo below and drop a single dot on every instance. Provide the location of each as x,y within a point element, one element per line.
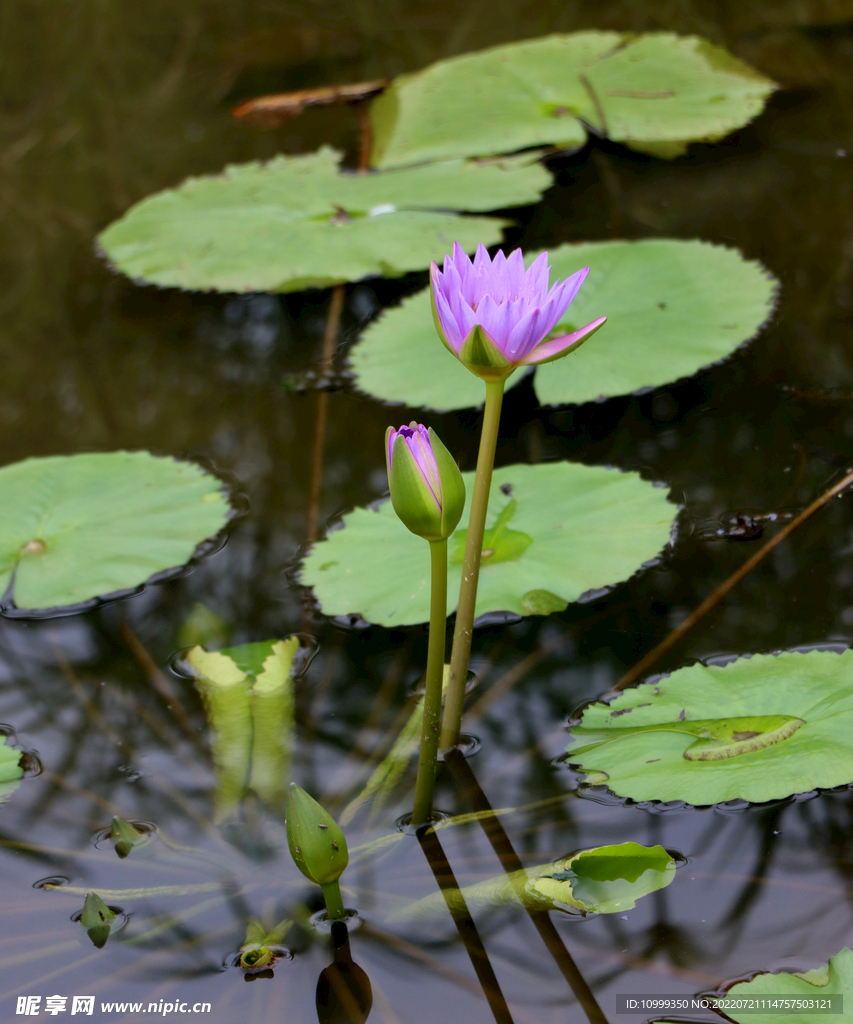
<point>452,485</point>
<point>317,844</point>
<point>97,919</point>
<point>124,836</point>
<point>411,496</point>
<point>483,357</point>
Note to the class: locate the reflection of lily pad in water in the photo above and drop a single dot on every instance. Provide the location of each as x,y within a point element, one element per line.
<point>82,526</point>
<point>555,531</point>
<point>605,880</point>
<point>655,92</point>
<point>299,222</point>
<point>761,728</point>
<point>832,979</point>
<point>664,323</point>
<point>248,696</point>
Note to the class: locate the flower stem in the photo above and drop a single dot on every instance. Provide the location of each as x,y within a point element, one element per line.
<point>334,901</point>
<point>425,785</point>
<point>463,633</point>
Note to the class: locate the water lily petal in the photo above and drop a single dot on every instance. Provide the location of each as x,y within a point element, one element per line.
<point>556,348</point>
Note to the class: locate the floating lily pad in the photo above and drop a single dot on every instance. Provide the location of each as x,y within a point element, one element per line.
<point>761,728</point>
<point>248,696</point>
<point>605,880</point>
<point>300,222</point>
<point>82,526</point>
<point>655,92</point>
<point>833,979</point>
<point>588,527</point>
<point>666,320</point>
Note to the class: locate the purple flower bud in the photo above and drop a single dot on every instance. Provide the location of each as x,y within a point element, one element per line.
<point>427,491</point>
<point>494,316</point>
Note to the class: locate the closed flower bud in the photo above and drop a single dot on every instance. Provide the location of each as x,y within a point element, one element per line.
<point>427,491</point>
<point>316,843</point>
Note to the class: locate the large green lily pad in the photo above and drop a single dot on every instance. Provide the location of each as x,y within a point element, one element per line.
<point>604,880</point>
<point>554,531</point>
<point>82,526</point>
<point>300,222</point>
<point>761,728</point>
<point>655,92</point>
<point>815,987</point>
<point>673,307</point>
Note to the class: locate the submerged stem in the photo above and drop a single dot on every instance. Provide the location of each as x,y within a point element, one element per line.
<point>463,633</point>
<point>425,785</point>
<point>334,901</point>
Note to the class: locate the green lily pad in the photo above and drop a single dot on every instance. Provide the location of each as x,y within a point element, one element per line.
<point>589,527</point>
<point>299,222</point>
<point>605,880</point>
<point>655,92</point>
<point>761,728</point>
<point>248,697</point>
<point>82,526</point>
<point>833,979</point>
<point>666,320</point>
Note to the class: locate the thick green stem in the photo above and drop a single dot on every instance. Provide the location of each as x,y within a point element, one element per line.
<point>334,901</point>
<point>428,758</point>
<point>464,630</point>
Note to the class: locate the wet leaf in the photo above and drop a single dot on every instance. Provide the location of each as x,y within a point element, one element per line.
<point>299,222</point>
<point>665,321</point>
<point>589,527</point>
<point>604,880</point>
<point>655,92</point>
<point>833,979</point>
<point>82,526</point>
<point>125,836</point>
<point>761,728</point>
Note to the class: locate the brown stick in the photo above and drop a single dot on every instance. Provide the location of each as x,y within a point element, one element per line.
<point>161,684</point>
<point>326,357</point>
<point>511,862</point>
<point>366,131</point>
<point>438,862</point>
<point>645,663</point>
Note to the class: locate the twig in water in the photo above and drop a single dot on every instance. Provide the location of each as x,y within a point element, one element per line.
<point>330,337</point>
<point>645,663</point>
<point>437,860</point>
<point>511,863</point>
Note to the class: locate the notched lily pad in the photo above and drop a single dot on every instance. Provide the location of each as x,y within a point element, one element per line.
<point>833,979</point>
<point>655,92</point>
<point>566,530</point>
<point>300,222</point>
<point>758,729</point>
<point>604,880</point>
<point>77,527</point>
<point>665,322</point>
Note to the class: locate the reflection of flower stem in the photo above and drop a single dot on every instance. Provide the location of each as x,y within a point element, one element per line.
<point>464,630</point>
<point>425,784</point>
<point>511,862</point>
<point>334,901</point>
<point>441,869</point>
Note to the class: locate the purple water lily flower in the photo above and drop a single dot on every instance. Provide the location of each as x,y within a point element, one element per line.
<point>494,315</point>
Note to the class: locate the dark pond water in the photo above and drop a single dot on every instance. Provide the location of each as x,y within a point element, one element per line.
<point>104,103</point>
